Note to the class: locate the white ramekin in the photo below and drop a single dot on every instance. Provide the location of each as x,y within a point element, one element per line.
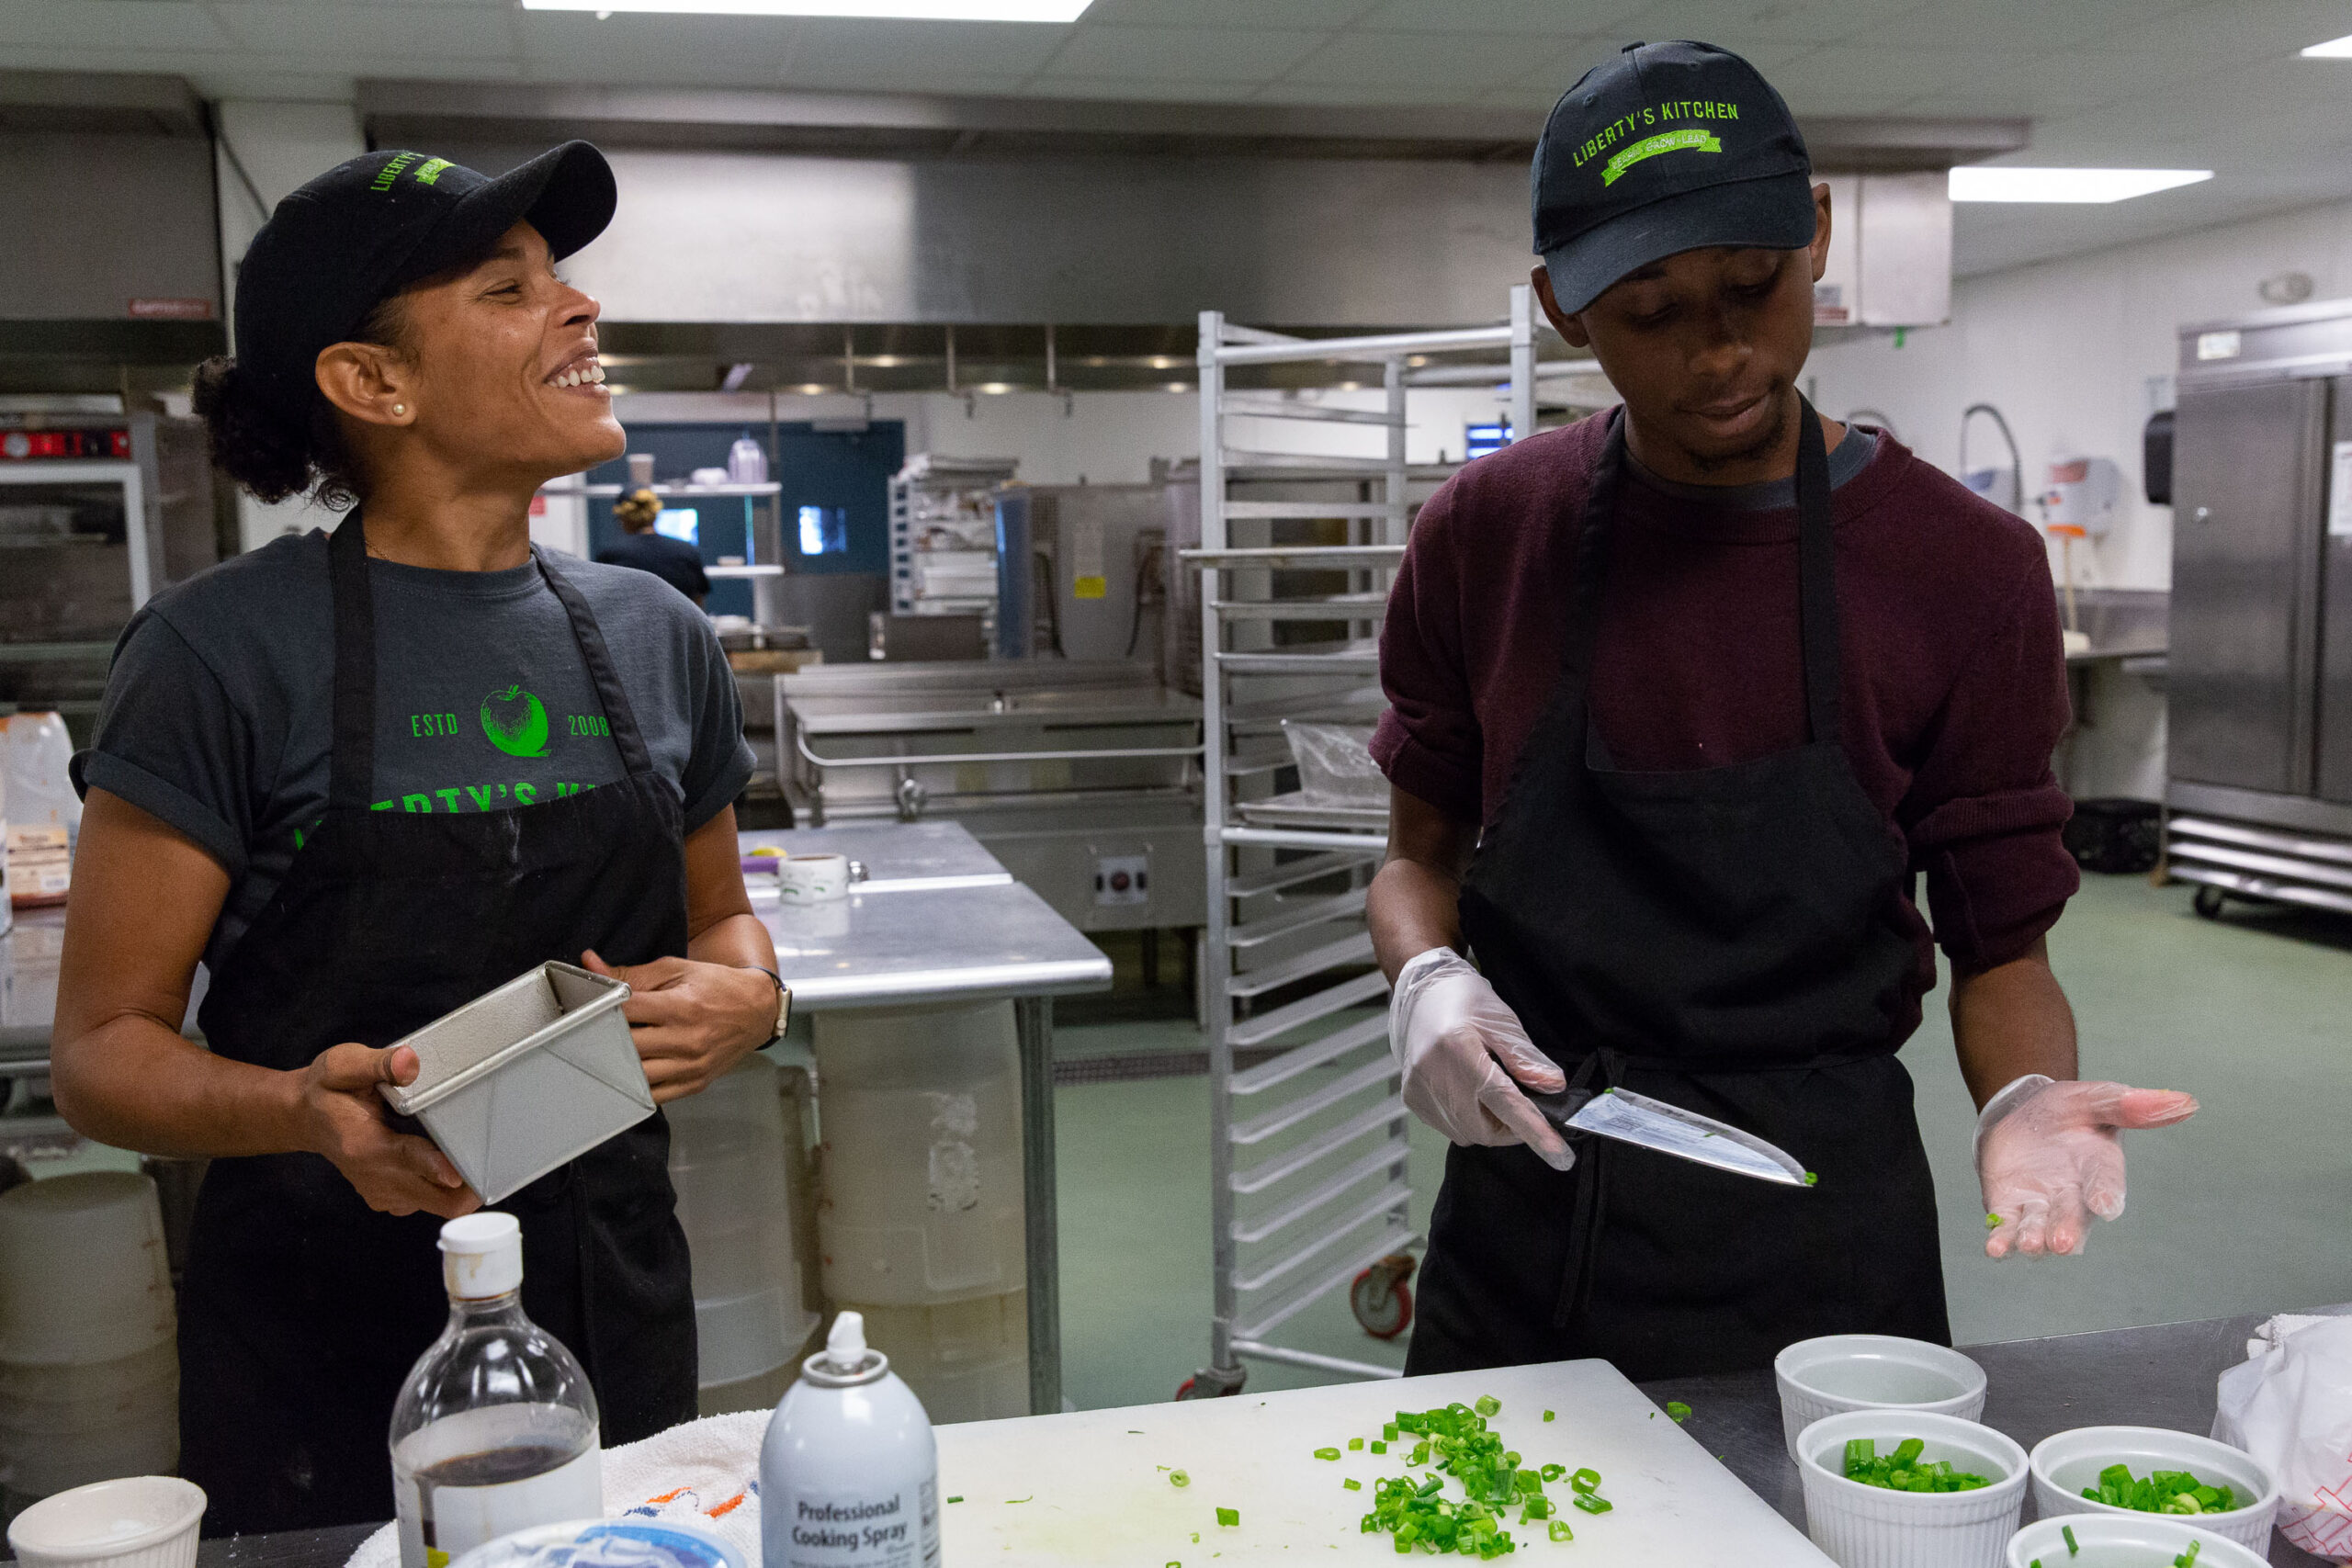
<point>1873,1371</point>
<point>2124,1540</point>
<point>2065,1464</point>
<point>1870,1526</point>
<point>140,1521</point>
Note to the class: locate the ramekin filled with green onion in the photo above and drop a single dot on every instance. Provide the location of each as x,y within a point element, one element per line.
<point>2224,1490</point>
<point>2119,1540</point>
<point>1910,1489</point>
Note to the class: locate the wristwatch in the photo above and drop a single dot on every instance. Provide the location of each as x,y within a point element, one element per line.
<point>783,1000</point>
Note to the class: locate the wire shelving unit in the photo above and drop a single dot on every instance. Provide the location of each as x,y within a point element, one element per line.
<point>1304,509</point>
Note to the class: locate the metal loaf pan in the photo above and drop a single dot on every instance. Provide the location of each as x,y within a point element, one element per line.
<point>526,1077</point>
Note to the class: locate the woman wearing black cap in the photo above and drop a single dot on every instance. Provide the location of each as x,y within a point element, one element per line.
<point>366,776</point>
<point>1686,698</point>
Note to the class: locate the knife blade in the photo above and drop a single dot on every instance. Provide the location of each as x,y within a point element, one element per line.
<point>1649,1123</point>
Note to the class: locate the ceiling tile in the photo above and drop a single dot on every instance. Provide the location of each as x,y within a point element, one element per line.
<point>1126,89</point>
<point>1421,60</point>
<point>1181,54</point>
<point>2016,24</point>
<point>372,32</point>
<point>827,46</point>
<point>1420,94</point>
<point>1784,21</point>
<point>1551,18</point>
<point>1275,13</point>
<point>574,46</point>
<point>109,25</point>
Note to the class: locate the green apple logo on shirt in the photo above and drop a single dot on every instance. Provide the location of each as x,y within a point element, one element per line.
<point>515,721</point>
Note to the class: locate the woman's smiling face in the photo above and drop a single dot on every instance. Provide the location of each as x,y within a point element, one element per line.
<point>499,362</point>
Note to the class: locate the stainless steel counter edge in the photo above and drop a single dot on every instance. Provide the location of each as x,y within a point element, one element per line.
<point>815,993</point>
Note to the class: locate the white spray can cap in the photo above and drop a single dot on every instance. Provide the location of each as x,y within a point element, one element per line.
<point>481,1256</point>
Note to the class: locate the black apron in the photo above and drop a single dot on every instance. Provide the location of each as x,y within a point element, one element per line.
<point>304,1309</point>
<point>1732,940</point>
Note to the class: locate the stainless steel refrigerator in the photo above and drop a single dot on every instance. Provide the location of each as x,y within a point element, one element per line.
<point>2260,687</point>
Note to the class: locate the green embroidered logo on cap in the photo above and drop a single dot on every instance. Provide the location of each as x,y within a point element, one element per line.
<point>1691,140</point>
<point>431,171</point>
<point>391,171</point>
<point>515,721</point>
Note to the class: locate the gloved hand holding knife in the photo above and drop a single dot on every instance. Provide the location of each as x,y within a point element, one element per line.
<point>1461,1048</point>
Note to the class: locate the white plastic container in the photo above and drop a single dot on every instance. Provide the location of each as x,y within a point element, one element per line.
<point>727,1148</point>
<point>2110,1540</point>
<point>849,1471</point>
<point>919,1186</point>
<point>747,461</point>
<point>526,1077</point>
<point>2066,1463</point>
<point>1873,1371</point>
<point>1870,1526</point>
<point>143,1521</point>
<point>966,1360</point>
<point>605,1543</point>
<point>115,1298</point>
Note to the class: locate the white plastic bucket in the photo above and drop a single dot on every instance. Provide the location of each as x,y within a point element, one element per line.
<point>1870,1527</point>
<point>1873,1371</point>
<point>919,1170</point>
<point>84,1276</point>
<point>2066,1463</point>
<point>966,1360</point>
<point>142,1522</point>
<point>729,1149</point>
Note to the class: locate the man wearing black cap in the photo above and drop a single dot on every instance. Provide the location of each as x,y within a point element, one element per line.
<point>1684,700</point>
<point>367,777</point>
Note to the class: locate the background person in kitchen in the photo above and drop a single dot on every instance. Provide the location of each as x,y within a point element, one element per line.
<point>675,562</point>
<point>1683,700</point>
<point>367,777</point>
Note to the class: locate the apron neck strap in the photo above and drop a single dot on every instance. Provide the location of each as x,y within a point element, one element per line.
<point>1816,571</point>
<point>352,774</point>
<point>634,758</point>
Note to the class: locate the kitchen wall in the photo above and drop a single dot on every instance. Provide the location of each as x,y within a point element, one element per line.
<point>2077,353</point>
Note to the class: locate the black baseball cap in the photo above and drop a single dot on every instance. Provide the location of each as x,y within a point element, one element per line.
<point>1667,147</point>
<point>370,227</point>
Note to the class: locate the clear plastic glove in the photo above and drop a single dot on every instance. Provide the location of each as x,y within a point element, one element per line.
<point>2049,1160</point>
<point>1453,1037</point>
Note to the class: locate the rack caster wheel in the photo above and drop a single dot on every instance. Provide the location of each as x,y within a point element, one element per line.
<point>1380,1299</point>
<point>1213,1382</point>
<point>2210,902</point>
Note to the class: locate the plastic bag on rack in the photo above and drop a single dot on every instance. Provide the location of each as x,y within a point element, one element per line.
<point>2290,1405</point>
<point>1335,763</point>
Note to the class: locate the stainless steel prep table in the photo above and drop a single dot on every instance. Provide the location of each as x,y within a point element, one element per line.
<point>2157,1376</point>
<point>937,918</point>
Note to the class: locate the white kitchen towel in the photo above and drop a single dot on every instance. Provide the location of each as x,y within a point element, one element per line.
<point>704,1473</point>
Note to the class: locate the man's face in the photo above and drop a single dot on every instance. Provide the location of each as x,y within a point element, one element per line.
<point>1705,347</point>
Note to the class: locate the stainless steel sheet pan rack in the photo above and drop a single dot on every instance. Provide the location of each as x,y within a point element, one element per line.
<point>1305,501</point>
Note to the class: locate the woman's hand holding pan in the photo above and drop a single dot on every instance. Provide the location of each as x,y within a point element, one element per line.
<point>341,1114</point>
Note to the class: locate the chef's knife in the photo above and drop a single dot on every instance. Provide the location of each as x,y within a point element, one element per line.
<point>1649,1123</point>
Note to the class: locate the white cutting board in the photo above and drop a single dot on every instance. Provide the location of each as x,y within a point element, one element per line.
<point>1095,1494</point>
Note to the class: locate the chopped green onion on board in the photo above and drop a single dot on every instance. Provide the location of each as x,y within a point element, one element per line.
<point>1352,1484</point>
<point>956,1499</point>
<point>1355,1445</point>
<point>1548,1415</point>
<point>1487,1405</point>
<point>1560,1531</point>
<point>1903,1471</point>
<point>1327,1453</point>
<point>1378,1447</point>
<point>1178,1478</point>
<point>1678,1411</point>
<point>1228,1516</point>
<point>1553,1471</point>
<point>1585,1481</point>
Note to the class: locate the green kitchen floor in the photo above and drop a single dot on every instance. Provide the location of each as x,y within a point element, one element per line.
<point>2236,1211</point>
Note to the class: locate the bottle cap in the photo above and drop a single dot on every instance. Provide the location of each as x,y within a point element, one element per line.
<point>846,1359</point>
<point>481,1256</point>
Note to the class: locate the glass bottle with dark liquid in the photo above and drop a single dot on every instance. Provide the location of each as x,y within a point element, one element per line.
<point>495,1429</point>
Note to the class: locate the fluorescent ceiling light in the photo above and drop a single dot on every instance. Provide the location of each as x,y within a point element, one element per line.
<point>1977,182</point>
<point>913,10</point>
<point>2333,49</point>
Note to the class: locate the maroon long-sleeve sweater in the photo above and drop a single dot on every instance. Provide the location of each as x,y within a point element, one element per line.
<point>1954,674</point>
